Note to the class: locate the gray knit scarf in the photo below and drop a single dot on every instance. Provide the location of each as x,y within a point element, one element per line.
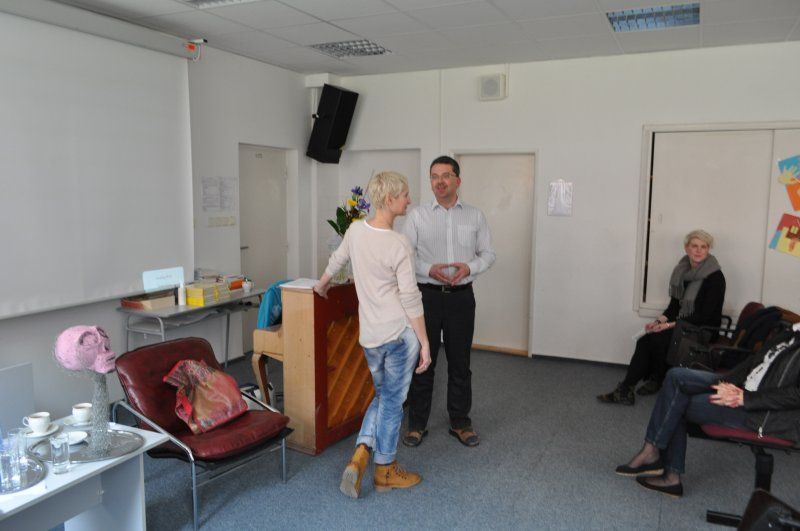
<point>683,273</point>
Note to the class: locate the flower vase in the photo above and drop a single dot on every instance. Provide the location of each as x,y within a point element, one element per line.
<point>344,275</point>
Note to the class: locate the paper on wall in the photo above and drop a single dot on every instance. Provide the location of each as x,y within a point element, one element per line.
<point>559,199</point>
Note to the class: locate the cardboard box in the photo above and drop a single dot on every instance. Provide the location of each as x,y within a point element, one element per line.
<point>150,301</point>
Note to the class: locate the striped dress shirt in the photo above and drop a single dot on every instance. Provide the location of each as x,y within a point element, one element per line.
<point>446,236</point>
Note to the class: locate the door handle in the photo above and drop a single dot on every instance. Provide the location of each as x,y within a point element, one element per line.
<point>244,247</point>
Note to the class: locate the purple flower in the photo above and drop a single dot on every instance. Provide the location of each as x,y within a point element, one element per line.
<point>357,191</point>
<point>363,205</point>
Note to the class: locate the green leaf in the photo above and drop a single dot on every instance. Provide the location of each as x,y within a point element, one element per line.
<point>341,220</point>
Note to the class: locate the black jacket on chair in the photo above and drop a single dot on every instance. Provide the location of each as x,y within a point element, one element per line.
<point>774,409</point>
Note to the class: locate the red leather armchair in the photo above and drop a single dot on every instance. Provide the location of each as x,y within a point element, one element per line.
<point>152,402</point>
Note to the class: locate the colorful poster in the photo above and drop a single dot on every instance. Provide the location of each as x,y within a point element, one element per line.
<point>789,168</point>
<point>787,236</point>
<point>790,176</point>
<point>794,194</point>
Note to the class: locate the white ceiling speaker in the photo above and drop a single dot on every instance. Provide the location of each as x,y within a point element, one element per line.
<point>492,87</point>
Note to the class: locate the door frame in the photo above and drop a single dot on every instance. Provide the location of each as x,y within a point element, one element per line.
<point>534,215</point>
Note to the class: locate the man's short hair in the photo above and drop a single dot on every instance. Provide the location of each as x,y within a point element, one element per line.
<point>444,159</point>
<point>385,184</point>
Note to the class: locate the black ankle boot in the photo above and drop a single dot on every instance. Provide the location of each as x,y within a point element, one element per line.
<point>650,387</point>
<point>621,395</point>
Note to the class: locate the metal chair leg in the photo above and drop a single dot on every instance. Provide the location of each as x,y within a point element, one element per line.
<point>194,496</point>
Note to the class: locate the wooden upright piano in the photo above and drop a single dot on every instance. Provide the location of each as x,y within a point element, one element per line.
<point>327,384</point>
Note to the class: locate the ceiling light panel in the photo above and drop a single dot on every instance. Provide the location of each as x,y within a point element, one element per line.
<point>652,18</point>
<point>358,48</point>
<point>205,4</point>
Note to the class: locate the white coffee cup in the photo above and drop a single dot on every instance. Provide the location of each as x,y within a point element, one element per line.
<point>82,412</point>
<point>37,422</point>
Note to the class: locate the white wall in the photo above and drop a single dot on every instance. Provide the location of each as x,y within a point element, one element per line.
<point>236,100</point>
<point>584,118</point>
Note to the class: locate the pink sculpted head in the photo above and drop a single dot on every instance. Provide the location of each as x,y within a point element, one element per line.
<point>81,348</point>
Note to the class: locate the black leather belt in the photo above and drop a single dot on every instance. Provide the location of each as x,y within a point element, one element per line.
<point>444,288</point>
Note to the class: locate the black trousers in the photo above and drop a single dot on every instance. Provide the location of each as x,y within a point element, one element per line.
<point>649,358</point>
<point>453,314</point>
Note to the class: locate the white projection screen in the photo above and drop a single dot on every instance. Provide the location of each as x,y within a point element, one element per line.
<point>95,167</point>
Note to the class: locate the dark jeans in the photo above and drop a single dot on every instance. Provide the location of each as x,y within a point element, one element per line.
<point>649,358</point>
<point>454,314</point>
<point>685,397</point>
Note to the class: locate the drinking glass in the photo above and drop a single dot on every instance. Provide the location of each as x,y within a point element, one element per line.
<point>59,451</point>
<point>9,464</point>
<point>22,447</point>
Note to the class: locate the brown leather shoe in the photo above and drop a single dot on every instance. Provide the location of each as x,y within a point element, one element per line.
<point>354,472</point>
<point>414,437</point>
<point>465,436</point>
<point>391,476</point>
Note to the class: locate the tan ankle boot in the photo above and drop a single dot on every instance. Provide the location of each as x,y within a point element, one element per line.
<point>391,476</point>
<point>354,472</point>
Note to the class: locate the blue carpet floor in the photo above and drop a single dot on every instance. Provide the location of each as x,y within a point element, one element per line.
<point>546,461</point>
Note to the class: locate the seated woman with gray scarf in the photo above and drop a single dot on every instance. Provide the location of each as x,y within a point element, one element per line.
<point>697,290</point>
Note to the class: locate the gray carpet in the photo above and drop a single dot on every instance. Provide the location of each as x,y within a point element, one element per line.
<point>546,460</point>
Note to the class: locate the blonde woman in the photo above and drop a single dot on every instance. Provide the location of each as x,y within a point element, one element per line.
<point>696,290</point>
<point>392,329</point>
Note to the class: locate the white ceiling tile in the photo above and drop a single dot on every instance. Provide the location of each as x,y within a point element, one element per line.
<point>661,39</point>
<point>263,15</point>
<point>131,9</point>
<point>486,35</point>
<point>570,26</point>
<point>193,24</point>
<point>415,42</point>
<point>795,34</point>
<point>299,58</point>
<point>382,25</point>
<point>721,11</point>
<point>313,34</point>
<point>377,64</point>
<point>587,46</point>
<point>513,52</point>
<point>527,9</point>
<point>328,10</point>
<point>459,15</point>
<point>752,31</point>
<point>406,5</point>
<point>248,42</point>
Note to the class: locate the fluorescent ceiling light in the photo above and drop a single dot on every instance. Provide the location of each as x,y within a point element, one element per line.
<point>205,4</point>
<point>359,48</point>
<point>651,18</point>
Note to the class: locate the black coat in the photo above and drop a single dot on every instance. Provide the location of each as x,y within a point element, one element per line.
<point>707,305</point>
<point>775,408</point>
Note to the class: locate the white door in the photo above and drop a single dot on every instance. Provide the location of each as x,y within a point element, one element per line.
<point>263,240</point>
<point>717,181</point>
<point>501,185</point>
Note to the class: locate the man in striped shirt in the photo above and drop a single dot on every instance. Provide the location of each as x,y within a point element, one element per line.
<point>453,246</point>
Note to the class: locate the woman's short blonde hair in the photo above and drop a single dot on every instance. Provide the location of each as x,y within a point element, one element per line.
<point>701,235</point>
<point>386,184</point>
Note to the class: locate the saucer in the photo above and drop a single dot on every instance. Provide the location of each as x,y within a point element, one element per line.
<point>49,431</point>
<point>72,421</point>
<point>76,437</point>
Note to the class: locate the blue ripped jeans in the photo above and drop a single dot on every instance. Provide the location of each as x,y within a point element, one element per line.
<point>391,365</point>
<point>684,396</point>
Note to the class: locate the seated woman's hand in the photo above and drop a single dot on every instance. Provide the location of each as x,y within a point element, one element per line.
<point>727,395</point>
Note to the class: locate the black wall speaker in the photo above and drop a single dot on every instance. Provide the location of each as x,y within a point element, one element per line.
<point>331,124</point>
